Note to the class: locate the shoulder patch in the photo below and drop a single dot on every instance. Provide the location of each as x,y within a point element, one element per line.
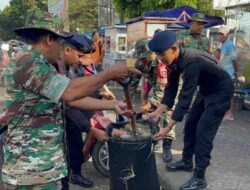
<point>163,72</point>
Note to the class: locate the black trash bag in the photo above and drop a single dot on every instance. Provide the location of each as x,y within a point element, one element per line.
<point>132,165</point>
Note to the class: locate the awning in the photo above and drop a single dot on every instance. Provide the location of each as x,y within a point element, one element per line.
<point>183,13</point>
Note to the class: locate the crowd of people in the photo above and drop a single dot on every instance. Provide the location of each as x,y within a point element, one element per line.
<point>53,91</point>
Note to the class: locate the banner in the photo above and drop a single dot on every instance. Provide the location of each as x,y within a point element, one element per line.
<point>60,7</point>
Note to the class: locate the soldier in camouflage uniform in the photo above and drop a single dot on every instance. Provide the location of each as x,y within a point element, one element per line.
<point>143,61</point>
<point>194,38</point>
<point>156,75</point>
<point>34,150</point>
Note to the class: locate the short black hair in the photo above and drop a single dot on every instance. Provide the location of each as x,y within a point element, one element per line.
<point>95,33</point>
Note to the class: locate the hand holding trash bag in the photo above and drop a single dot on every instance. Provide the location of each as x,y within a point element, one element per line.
<point>165,130</point>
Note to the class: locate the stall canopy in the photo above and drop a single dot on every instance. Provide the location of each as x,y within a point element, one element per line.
<point>182,15</point>
<point>101,31</point>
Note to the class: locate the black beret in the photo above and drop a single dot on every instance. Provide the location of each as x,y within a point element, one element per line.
<point>80,42</point>
<point>162,41</point>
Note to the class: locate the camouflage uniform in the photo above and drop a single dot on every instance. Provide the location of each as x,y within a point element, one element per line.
<point>137,78</point>
<point>56,185</point>
<point>158,75</point>
<point>34,150</point>
<point>196,41</point>
<point>140,52</point>
<point>192,40</point>
<point>157,84</point>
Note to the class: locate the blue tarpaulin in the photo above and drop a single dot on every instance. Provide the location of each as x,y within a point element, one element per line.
<point>182,14</point>
<point>101,31</point>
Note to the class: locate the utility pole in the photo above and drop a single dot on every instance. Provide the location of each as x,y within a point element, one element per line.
<point>110,12</point>
<point>98,6</point>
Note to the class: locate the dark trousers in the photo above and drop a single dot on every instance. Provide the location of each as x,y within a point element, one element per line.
<point>200,129</point>
<point>74,149</point>
<point>75,146</point>
<point>74,154</point>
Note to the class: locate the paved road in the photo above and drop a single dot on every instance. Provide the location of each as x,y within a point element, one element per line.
<point>230,166</point>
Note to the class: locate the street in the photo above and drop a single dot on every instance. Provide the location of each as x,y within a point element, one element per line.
<point>74,70</point>
<point>229,168</point>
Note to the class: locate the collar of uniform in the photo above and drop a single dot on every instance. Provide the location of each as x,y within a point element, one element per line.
<point>195,34</point>
<point>177,64</point>
<point>37,53</point>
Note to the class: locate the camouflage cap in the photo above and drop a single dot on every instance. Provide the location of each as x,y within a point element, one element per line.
<point>199,17</point>
<point>141,49</point>
<point>37,19</point>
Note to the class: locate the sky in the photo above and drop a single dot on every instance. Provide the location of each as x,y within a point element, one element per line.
<point>3,3</point>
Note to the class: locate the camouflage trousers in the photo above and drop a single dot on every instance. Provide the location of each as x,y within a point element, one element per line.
<point>165,118</point>
<point>56,185</point>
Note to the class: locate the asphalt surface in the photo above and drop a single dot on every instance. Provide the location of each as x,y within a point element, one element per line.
<point>229,169</point>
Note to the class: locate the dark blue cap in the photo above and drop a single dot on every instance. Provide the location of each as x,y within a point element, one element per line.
<point>162,41</point>
<point>80,42</point>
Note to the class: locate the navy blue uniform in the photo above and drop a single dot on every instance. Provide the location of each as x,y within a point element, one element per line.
<point>198,68</point>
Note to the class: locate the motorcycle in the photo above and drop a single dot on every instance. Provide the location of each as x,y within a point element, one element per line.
<point>96,149</point>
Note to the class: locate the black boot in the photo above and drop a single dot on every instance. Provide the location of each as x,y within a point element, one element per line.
<point>167,154</point>
<point>196,182</point>
<point>65,183</point>
<point>180,166</point>
<point>78,179</point>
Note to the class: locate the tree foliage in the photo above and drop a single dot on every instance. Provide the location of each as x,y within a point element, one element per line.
<point>192,3</point>
<point>83,15</point>
<point>135,8</point>
<point>207,7</point>
<point>14,15</point>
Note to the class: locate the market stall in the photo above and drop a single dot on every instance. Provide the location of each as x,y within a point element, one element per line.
<point>144,27</point>
<point>115,45</point>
